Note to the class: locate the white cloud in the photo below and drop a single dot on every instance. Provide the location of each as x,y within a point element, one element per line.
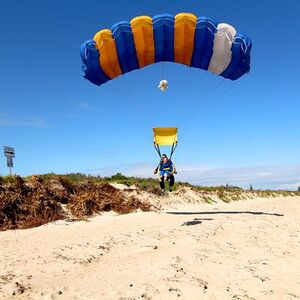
<point>87,106</point>
<point>264,177</point>
<point>22,121</point>
<point>290,186</point>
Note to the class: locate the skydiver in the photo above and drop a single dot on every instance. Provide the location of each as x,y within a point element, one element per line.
<point>166,172</point>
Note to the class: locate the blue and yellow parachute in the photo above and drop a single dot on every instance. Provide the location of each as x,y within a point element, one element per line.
<point>185,39</point>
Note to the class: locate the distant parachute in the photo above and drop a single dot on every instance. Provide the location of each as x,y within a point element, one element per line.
<point>185,39</point>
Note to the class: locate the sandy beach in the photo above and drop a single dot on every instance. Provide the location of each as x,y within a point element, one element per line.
<point>240,250</point>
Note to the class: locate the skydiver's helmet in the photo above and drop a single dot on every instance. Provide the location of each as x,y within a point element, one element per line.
<point>163,85</point>
<point>164,156</point>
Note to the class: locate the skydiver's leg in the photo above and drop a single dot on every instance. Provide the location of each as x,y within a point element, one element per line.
<point>166,177</point>
<point>171,182</point>
<point>162,182</point>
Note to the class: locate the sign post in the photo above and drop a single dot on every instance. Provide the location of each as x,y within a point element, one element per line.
<point>9,153</point>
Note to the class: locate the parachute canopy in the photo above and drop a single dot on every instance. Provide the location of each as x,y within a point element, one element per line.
<point>165,136</point>
<point>198,42</point>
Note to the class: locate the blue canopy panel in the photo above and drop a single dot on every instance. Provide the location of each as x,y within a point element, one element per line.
<point>90,63</point>
<point>240,60</point>
<point>203,42</point>
<point>123,37</point>
<point>244,66</point>
<point>163,32</point>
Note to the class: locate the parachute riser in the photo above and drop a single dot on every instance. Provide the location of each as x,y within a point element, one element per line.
<point>174,146</point>
<point>156,146</point>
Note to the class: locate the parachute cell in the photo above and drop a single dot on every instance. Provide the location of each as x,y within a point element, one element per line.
<point>108,57</point>
<point>163,33</point>
<point>142,29</point>
<point>196,42</point>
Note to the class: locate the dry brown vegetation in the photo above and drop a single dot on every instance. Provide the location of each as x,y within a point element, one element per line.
<point>37,201</point>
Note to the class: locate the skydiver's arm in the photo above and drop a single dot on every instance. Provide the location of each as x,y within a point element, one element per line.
<point>174,171</point>
<point>158,168</point>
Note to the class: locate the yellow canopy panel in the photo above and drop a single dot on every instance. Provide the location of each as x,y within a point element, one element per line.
<point>142,30</point>
<point>164,136</point>
<point>108,56</point>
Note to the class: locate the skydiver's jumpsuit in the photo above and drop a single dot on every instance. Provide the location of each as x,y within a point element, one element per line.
<point>166,169</point>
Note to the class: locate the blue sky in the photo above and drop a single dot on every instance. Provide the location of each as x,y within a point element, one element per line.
<point>59,122</point>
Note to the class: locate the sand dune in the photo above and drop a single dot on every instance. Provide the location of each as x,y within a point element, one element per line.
<point>242,250</point>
